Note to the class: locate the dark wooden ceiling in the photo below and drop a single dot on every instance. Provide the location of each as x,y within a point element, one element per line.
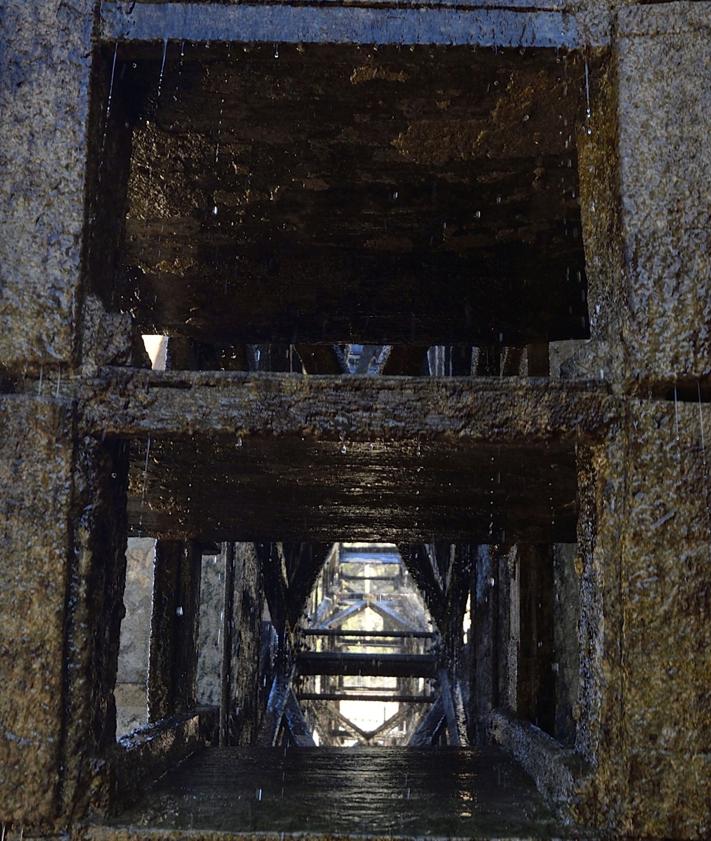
<point>337,193</point>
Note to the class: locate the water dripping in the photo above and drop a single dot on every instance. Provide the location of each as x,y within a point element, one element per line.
<point>219,130</point>
<point>108,104</point>
<point>162,70</point>
<point>588,110</point>
<point>180,71</point>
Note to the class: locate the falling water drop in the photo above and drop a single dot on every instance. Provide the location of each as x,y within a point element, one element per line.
<point>108,103</point>
<point>588,111</point>
<point>162,69</point>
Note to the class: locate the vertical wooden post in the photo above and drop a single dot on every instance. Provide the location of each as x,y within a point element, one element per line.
<point>483,692</point>
<point>228,556</point>
<point>172,665</point>
<point>187,616</point>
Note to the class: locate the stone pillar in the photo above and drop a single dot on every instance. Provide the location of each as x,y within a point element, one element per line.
<point>132,674</point>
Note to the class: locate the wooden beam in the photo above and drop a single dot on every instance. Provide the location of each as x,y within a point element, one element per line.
<point>481,27</point>
<point>430,724</point>
<point>380,665</point>
<point>362,696</point>
<point>228,556</point>
<point>276,704</point>
<point>134,403</point>
<point>174,622</point>
<point>296,723</point>
<point>338,632</point>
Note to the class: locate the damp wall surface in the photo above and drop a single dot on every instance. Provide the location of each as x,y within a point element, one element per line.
<point>644,533</point>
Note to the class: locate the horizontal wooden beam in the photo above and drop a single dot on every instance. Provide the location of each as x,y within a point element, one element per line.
<point>372,22</point>
<point>340,696</point>
<point>262,457</point>
<point>337,632</point>
<point>374,665</point>
<point>132,403</point>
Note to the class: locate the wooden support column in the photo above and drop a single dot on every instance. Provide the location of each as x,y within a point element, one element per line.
<point>536,680</point>
<point>483,676</point>
<point>174,622</point>
<point>246,646</point>
<point>406,360</point>
<point>488,361</point>
<point>538,360</point>
<point>228,558</point>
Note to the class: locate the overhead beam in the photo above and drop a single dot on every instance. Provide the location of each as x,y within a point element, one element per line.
<point>133,403</point>
<point>376,665</point>
<point>337,632</point>
<point>362,696</point>
<point>358,24</point>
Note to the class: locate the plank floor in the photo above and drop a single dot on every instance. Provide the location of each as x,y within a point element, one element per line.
<point>381,792</point>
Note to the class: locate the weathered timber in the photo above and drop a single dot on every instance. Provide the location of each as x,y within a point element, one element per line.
<point>228,557</point>
<point>349,457</point>
<point>132,403</point>
<point>173,654</point>
<point>395,196</point>
<point>362,696</point>
<point>543,25</point>
<point>390,665</point>
<point>299,731</point>
<point>338,632</point>
<point>430,725</point>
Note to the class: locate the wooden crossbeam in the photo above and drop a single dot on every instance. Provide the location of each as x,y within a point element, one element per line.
<point>361,696</point>
<point>376,665</point>
<point>339,632</point>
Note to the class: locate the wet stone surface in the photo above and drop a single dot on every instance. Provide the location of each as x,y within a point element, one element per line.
<point>379,791</point>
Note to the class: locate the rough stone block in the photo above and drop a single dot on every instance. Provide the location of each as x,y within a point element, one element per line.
<point>665,637</point>
<point>664,63</point>
<point>35,494</point>
<point>45,65</point>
